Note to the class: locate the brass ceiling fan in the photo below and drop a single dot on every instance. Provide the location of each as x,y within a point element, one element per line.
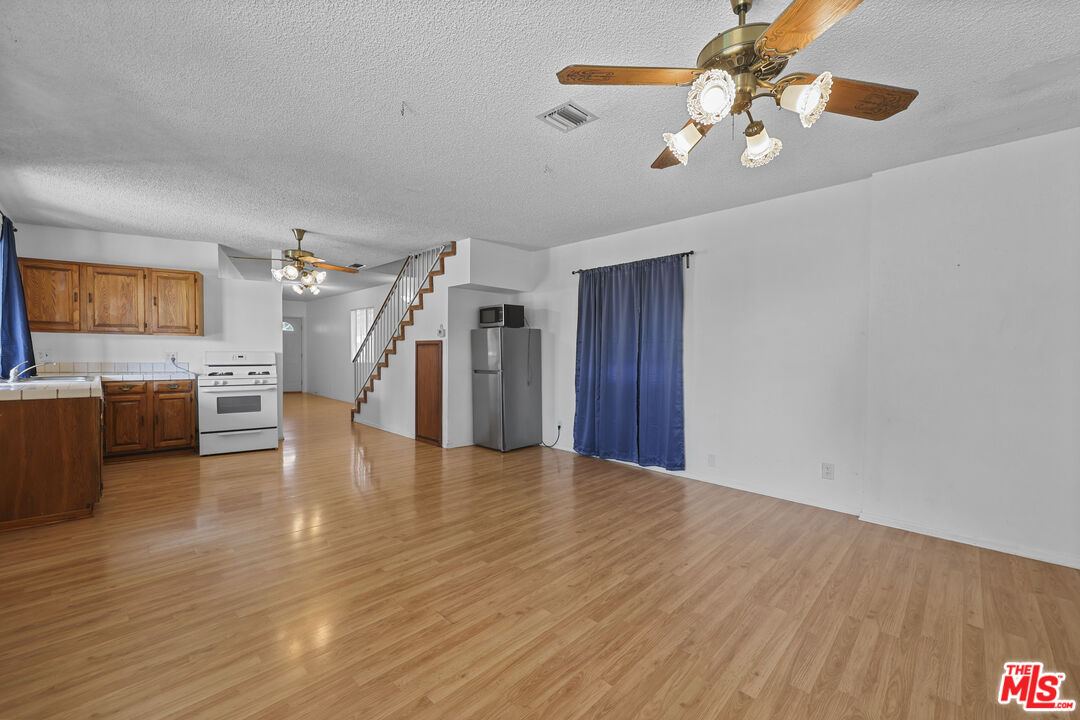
<point>737,67</point>
<point>294,269</point>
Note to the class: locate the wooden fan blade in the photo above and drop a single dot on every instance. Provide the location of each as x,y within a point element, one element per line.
<point>866,100</point>
<point>244,257</point>
<point>327,266</point>
<point>667,158</point>
<point>799,24</point>
<point>620,75</point>
<point>312,260</point>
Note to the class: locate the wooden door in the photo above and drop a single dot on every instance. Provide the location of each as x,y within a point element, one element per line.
<point>174,302</point>
<point>174,419</point>
<point>127,429</point>
<point>115,299</point>
<point>52,294</point>
<point>429,391</point>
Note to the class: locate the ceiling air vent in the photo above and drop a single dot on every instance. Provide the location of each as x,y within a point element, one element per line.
<point>357,265</point>
<point>567,117</point>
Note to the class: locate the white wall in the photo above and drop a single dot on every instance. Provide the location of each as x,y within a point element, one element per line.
<point>920,329</point>
<point>974,356</point>
<point>501,268</point>
<point>238,314</point>
<point>328,370</point>
<point>774,340</point>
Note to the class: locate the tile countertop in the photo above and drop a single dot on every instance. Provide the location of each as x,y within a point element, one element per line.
<point>45,390</point>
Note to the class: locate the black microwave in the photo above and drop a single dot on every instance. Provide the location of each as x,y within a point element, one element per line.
<point>511,316</point>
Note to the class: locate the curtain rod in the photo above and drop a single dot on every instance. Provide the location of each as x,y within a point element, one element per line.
<point>686,255</point>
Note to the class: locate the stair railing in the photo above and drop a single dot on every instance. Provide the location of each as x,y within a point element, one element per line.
<point>387,323</point>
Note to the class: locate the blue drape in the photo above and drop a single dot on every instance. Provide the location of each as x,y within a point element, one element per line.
<point>629,379</point>
<point>15,345</point>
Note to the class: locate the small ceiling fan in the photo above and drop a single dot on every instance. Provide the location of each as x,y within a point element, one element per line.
<point>294,269</point>
<point>737,67</point>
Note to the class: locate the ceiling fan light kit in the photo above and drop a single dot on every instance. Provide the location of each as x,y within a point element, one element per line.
<point>808,101</point>
<point>295,268</point>
<point>760,148</point>
<point>740,65</point>
<point>711,97</point>
<point>681,143</point>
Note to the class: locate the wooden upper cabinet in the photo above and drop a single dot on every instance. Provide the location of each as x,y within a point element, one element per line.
<point>174,302</point>
<point>115,299</point>
<point>52,294</point>
<point>85,297</point>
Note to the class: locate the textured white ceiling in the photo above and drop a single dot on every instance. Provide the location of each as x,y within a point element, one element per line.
<point>233,122</point>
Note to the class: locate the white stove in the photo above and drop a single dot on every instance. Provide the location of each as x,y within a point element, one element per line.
<point>238,402</point>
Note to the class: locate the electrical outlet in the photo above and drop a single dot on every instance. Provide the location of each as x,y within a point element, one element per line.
<point>828,471</point>
<point>170,356</point>
<point>43,356</point>
<point>711,460</point>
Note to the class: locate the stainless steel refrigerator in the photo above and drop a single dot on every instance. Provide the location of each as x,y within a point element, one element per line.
<point>506,387</point>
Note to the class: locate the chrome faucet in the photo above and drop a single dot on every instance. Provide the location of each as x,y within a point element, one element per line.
<point>16,374</point>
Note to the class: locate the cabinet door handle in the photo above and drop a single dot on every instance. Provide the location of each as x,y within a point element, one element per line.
<point>173,386</point>
<point>125,388</point>
<point>75,296</point>
<point>89,297</point>
<point>155,301</point>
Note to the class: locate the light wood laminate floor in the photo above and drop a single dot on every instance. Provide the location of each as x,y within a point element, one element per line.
<point>358,574</point>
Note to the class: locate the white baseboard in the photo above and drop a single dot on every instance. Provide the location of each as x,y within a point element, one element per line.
<point>845,508</point>
<point>1055,558</point>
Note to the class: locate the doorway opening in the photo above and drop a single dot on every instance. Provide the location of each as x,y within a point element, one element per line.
<point>292,350</point>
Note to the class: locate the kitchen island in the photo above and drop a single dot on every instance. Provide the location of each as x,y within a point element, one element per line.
<point>50,451</point>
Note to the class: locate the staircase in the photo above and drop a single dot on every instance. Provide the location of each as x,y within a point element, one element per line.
<point>406,297</point>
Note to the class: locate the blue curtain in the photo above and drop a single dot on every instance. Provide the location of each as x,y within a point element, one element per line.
<point>15,345</point>
<point>629,379</point>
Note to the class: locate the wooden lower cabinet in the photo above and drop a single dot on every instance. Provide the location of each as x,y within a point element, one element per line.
<point>51,452</point>
<point>174,416</point>
<point>146,416</point>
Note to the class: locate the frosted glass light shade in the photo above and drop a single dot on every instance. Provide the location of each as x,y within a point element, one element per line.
<point>320,275</point>
<point>808,101</point>
<point>291,272</point>
<point>297,289</point>
<point>760,149</point>
<point>307,278</point>
<point>314,290</point>
<point>711,97</point>
<point>277,273</point>
<point>681,143</point>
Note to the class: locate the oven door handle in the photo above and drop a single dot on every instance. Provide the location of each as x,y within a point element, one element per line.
<point>248,389</point>
<point>242,432</point>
